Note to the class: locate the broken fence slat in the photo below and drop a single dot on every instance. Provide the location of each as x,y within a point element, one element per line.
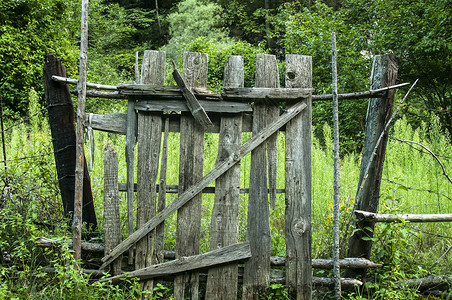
<point>223,255</point>
<point>196,109</point>
<point>206,180</point>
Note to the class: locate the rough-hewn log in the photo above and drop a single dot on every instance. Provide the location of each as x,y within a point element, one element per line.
<point>64,79</point>
<point>181,105</point>
<point>206,180</point>
<point>384,73</point>
<point>61,120</point>
<point>419,218</point>
<point>265,93</point>
<point>360,95</point>
<point>298,183</point>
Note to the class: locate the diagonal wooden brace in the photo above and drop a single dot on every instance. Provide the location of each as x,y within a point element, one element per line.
<point>195,108</point>
<point>219,170</point>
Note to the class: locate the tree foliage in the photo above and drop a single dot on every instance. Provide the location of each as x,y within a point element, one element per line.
<point>28,30</point>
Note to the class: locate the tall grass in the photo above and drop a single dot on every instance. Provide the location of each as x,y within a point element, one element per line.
<point>413,182</point>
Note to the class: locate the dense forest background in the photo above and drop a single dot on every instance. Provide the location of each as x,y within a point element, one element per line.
<point>419,33</point>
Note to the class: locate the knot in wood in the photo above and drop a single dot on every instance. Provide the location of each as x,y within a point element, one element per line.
<point>299,226</point>
<point>291,75</point>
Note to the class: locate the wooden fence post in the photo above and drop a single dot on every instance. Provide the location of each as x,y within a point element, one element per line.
<point>222,281</point>
<point>384,73</point>
<point>112,223</point>
<point>190,172</point>
<point>298,183</point>
<point>149,142</point>
<point>61,121</point>
<point>257,269</point>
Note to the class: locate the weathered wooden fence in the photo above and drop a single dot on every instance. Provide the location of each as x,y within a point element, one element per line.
<point>230,115</point>
<point>263,110</point>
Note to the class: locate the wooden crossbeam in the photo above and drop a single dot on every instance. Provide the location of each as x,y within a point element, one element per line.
<point>419,218</point>
<point>228,254</point>
<point>234,158</point>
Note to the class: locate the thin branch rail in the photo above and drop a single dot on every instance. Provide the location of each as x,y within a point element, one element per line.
<point>418,218</point>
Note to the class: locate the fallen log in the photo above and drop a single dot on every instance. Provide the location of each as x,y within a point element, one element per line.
<point>429,282</point>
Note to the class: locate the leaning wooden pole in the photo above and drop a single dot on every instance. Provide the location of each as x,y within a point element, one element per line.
<point>384,73</point>
<point>336,267</point>
<point>81,88</point>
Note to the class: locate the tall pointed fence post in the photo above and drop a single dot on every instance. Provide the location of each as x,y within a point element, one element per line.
<point>298,229</point>
<point>80,158</point>
<point>384,73</point>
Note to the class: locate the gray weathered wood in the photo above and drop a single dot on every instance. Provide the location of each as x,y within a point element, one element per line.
<point>268,93</point>
<point>222,280</point>
<point>131,123</point>
<point>232,253</point>
<point>384,73</point>
<point>112,222</point>
<point>188,230</point>
<point>193,105</point>
<point>360,95</point>
<point>298,183</point>
<point>149,141</point>
<point>179,105</point>
<point>147,91</point>
<point>174,189</point>
<point>257,269</point>
<point>196,188</point>
<point>160,230</point>
<point>418,218</point>
<point>80,154</point>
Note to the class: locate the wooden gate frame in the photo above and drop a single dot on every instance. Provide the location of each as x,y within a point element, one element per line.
<point>267,96</point>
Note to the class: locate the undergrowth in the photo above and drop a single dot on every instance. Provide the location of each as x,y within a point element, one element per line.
<point>413,182</point>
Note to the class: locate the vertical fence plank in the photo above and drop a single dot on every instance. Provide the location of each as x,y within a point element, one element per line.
<point>384,73</point>
<point>257,268</point>
<point>149,141</point>
<point>190,171</point>
<point>222,281</point>
<point>112,223</point>
<point>298,183</point>
<point>160,229</point>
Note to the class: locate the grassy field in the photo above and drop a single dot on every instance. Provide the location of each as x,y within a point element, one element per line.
<point>413,182</point>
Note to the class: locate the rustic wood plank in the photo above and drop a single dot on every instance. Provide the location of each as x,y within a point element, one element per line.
<point>160,229</point>
<point>116,123</point>
<point>193,105</point>
<point>131,123</point>
<point>181,105</point>
<point>195,189</point>
<point>273,93</point>
<point>149,141</point>
<point>190,171</point>
<point>298,184</point>
<point>384,73</point>
<point>112,222</point>
<point>257,269</point>
<point>232,253</point>
<point>222,280</point>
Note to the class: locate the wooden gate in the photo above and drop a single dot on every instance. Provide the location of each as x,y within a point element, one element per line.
<point>263,110</point>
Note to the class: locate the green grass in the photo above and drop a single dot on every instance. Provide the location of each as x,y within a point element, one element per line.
<point>408,176</point>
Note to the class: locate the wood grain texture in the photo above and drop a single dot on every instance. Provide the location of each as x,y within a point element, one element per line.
<point>232,253</point>
<point>384,73</point>
<point>149,141</point>
<point>222,281</point>
<point>298,184</point>
<point>112,222</point>
<point>257,269</point>
<point>197,188</point>
<point>190,171</point>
